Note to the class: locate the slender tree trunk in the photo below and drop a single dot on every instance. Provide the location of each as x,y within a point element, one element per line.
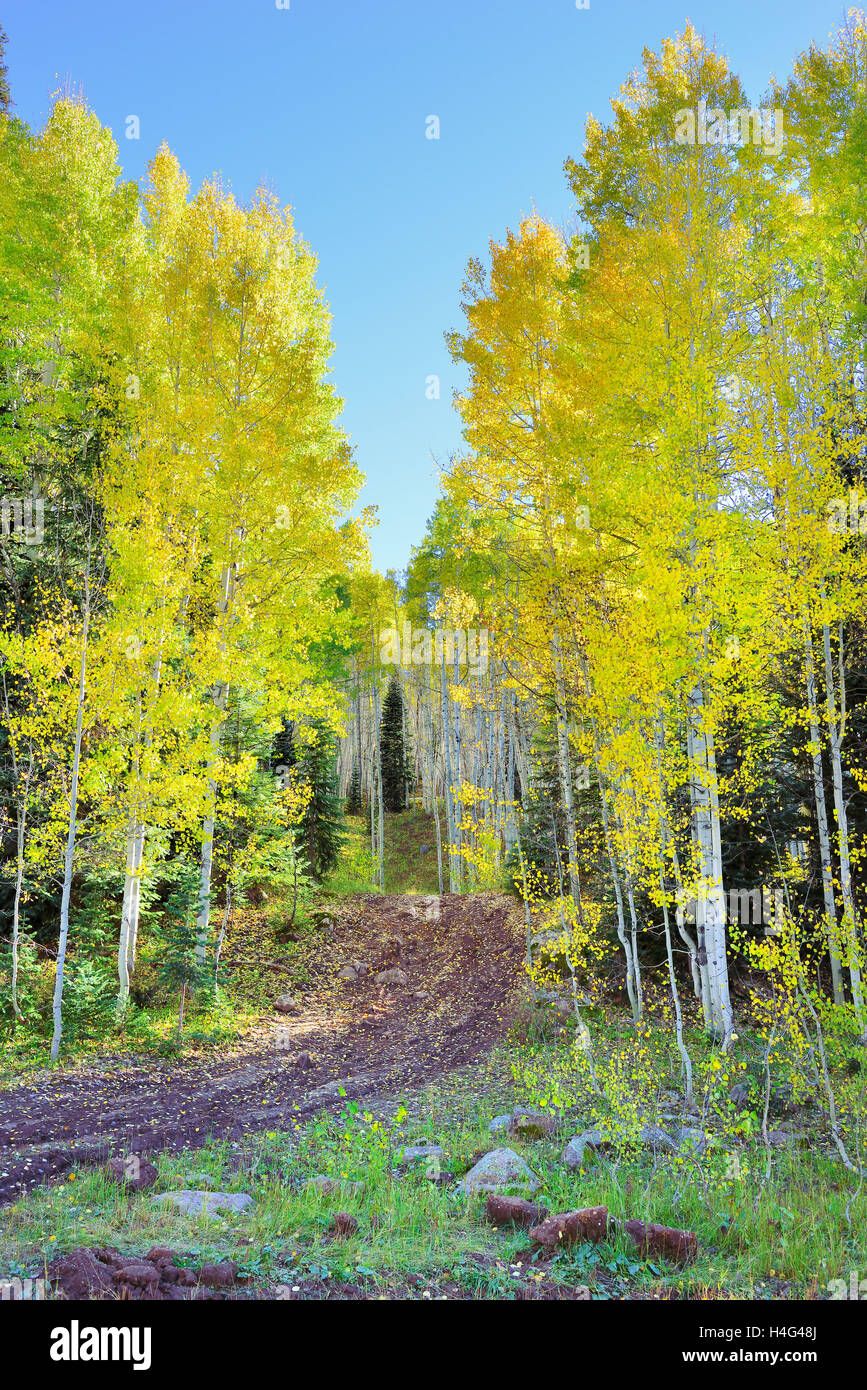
<point>565,767</point>
<point>21,820</point>
<point>69,856</point>
<point>450,803</point>
<point>381,809</point>
<point>835,733</point>
<point>203,919</point>
<point>710,907</point>
<point>822,819</point>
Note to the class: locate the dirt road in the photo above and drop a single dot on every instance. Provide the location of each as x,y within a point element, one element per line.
<point>458,960</point>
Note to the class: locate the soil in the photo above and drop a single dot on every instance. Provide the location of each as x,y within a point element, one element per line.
<point>462,957</point>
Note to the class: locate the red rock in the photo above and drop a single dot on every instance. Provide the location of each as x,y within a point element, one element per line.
<point>650,1239</point>
<point>219,1276</point>
<point>81,1275</point>
<point>159,1255</point>
<point>138,1276</point>
<point>569,1227</point>
<point>513,1211</point>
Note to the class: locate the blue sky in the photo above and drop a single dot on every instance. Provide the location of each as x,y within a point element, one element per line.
<point>328,100</point>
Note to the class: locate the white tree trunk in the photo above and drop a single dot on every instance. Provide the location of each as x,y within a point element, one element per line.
<point>710,907</point>
<point>822,819</point>
<point>835,734</point>
<point>69,856</point>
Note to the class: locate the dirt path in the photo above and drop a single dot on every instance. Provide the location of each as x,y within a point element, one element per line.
<point>462,960</point>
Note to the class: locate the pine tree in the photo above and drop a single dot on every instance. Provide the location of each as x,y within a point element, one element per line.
<point>180,968</point>
<point>5,98</point>
<point>543,828</point>
<point>321,833</point>
<point>354,804</point>
<point>393,750</point>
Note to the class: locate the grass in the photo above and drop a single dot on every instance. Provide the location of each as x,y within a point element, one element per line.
<point>785,1237</point>
<point>771,1224</point>
<point>407,869</point>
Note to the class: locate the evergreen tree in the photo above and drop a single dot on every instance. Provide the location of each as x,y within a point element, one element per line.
<point>354,805</point>
<point>543,824</point>
<point>179,968</point>
<point>393,750</point>
<point>321,832</point>
<point>5,98</point>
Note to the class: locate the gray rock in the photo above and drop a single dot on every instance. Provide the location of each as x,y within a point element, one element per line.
<point>286,1005</point>
<point>594,1139</point>
<point>499,1123</point>
<point>531,1124</point>
<point>395,976</point>
<point>739,1095</point>
<point>693,1141</point>
<point>424,849</point>
<point>573,1154</point>
<point>201,1180</point>
<point>655,1138</point>
<point>498,1170</point>
<point>419,1153</point>
<point>196,1203</point>
<point>348,973</point>
<point>780,1138</point>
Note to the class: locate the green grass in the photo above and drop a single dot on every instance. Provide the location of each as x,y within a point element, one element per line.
<point>785,1237</point>
<point>407,870</point>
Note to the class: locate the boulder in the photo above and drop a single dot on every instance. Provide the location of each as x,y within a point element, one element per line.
<point>497,1170</point>
<point>781,1138</point>
<point>219,1276</point>
<point>739,1095</point>
<point>571,1227</point>
<point>394,976</point>
<point>693,1141</point>
<point>421,1153</point>
<point>138,1276</point>
<point>348,973</point>
<point>575,1150</point>
<point>531,1124</point>
<point>655,1138</point>
<point>285,1004</point>
<point>197,1203</point>
<point>782,1101</point>
<point>664,1241</point>
<point>500,1123</point>
<point>513,1211</point>
<point>81,1276</point>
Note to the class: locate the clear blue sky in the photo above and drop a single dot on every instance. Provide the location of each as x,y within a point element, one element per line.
<point>328,100</point>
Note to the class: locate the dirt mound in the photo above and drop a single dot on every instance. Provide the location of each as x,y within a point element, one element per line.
<point>459,959</point>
